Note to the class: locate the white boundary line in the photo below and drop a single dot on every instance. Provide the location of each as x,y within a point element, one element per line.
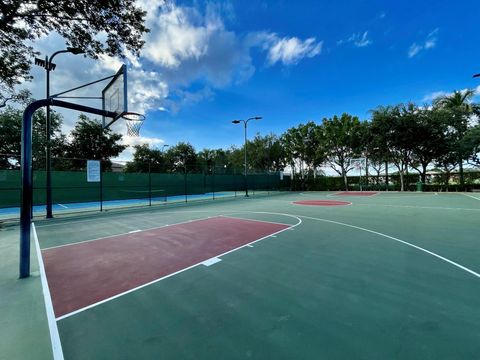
<point>471,196</point>
<point>342,193</point>
<point>239,218</point>
<point>398,240</point>
<point>63,206</point>
<point>117,216</point>
<point>182,270</point>
<point>128,233</point>
<point>52,324</point>
<point>419,207</point>
<point>408,195</point>
<point>345,203</point>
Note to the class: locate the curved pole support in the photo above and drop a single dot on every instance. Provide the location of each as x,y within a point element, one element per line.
<point>27,179</point>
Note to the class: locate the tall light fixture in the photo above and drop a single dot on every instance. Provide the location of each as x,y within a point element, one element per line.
<point>245,122</point>
<point>49,66</point>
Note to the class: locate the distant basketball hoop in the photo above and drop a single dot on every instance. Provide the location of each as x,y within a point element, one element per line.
<point>134,122</point>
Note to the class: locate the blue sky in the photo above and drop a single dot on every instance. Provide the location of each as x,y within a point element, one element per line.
<point>206,63</point>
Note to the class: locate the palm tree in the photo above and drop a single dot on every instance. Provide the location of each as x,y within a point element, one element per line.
<point>458,100</point>
<point>460,104</point>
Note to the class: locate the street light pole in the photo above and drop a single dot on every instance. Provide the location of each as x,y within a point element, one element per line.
<point>49,66</point>
<point>245,122</point>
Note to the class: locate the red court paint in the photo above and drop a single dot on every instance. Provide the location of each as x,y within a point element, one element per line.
<point>322,202</point>
<point>356,193</point>
<point>86,273</point>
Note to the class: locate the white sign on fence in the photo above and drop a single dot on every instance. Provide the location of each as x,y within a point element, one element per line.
<point>93,171</point>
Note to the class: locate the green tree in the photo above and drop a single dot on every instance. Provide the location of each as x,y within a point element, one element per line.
<point>236,158</point>
<point>461,109</point>
<point>23,97</point>
<point>181,157</point>
<point>10,137</point>
<point>303,147</point>
<point>378,143</point>
<point>121,24</point>
<point>89,141</point>
<point>146,160</point>
<point>265,153</point>
<point>470,143</point>
<point>343,140</point>
<point>430,139</point>
<point>397,126</point>
<point>214,160</point>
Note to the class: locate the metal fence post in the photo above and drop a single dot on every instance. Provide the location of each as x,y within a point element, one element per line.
<point>186,188</point>
<point>213,183</point>
<point>101,186</point>
<point>235,181</point>
<point>149,183</point>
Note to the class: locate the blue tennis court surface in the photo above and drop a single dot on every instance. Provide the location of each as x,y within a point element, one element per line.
<point>14,212</point>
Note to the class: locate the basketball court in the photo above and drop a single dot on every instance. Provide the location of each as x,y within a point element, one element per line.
<point>315,275</point>
<point>395,275</point>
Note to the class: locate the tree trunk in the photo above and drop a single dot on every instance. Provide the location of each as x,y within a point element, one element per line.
<point>366,173</point>
<point>386,174</point>
<point>345,180</point>
<point>447,178</point>
<point>462,179</point>
<point>424,173</point>
<point>406,179</point>
<point>401,181</point>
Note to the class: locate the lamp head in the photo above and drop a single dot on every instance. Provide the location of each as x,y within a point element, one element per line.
<point>255,118</point>
<point>476,75</point>
<point>236,121</point>
<point>75,50</point>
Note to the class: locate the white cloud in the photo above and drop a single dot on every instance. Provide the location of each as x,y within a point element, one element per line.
<point>127,154</point>
<point>414,50</point>
<point>186,45</point>
<point>292,50</point>
<point>363,41</point>
<point>286,50</point>
<point>357,39</point>
<point>435,94</point>
<point>174,38</point>
<point>429,43</point>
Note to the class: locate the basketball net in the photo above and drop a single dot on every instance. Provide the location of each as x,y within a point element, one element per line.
<point>134,122</point>
<point>359,164</point>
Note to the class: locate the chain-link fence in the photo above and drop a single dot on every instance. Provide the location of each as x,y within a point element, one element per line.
<point>118,187</point>
<point>437,182</point>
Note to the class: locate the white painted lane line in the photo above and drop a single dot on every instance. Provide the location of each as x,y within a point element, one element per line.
<point>63,206</point>
<point>418,207</point>
<point>398,240</point>
<point>211,261</point>
<point>263,221</point>
<point>110,236</point>
<point>52,324</point>
<point>133,231</point>
<point>182,270</point>
<point>471,196</point>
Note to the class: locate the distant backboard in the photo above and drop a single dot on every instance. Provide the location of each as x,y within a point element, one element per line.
<point>114,95</point>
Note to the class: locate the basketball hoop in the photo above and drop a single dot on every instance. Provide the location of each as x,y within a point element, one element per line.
<point>359,163</point>
<point>134,122</point>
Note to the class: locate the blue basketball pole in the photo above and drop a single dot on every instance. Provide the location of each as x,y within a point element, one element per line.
<point>27,183</point>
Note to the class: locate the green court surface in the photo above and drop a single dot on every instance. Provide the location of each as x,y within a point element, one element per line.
<point>388,276</point>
